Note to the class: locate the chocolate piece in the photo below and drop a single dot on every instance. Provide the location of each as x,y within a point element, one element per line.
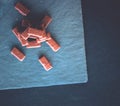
<point>22,9</point>
<point>45,63</point>
<point>18,54</point>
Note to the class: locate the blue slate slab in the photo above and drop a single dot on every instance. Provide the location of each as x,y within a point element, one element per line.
<point>69,63</point>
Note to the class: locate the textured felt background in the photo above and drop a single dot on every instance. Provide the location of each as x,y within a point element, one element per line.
<point>67,28</point>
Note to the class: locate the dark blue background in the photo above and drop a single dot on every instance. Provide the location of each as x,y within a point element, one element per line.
<point>102,35</point>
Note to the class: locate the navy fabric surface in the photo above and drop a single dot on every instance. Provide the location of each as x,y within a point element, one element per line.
<point>69,63</point>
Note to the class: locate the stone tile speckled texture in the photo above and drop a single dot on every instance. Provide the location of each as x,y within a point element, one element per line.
<point>67,28</point>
